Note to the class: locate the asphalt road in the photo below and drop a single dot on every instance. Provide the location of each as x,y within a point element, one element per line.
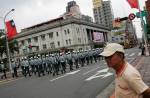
<point>85,82</point>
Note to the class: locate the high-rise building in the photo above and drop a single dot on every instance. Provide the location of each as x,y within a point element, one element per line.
<point>73,10</point>
<point>103,13</point>
<point>148,9</point>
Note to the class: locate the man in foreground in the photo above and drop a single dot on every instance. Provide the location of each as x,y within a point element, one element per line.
<point>129,83</point>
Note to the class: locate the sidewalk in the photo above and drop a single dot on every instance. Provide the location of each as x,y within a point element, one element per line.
<point>142,64</point>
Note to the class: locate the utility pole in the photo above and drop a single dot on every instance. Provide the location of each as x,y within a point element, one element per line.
<point>6,37</point>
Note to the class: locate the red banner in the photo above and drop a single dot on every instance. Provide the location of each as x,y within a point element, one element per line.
<point>133,3</point>
<point>11,29</point>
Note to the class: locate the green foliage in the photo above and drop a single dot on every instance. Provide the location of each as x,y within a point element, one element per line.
<point>13,45</point>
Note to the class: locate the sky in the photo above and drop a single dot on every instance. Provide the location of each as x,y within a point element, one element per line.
<point>31,12</point>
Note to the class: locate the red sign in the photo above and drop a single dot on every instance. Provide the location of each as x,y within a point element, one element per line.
<point>131,16</point>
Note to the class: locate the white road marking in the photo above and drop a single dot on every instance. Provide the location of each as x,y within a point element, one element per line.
<point>71,73</point>
<point>101,75</point>
<point>107,74</point>
<point>103,70</point>
<point>139,54</point>
<point>132,54</point>
<point>126,54</point>
<point>91,70</point>
<point>131,59</point>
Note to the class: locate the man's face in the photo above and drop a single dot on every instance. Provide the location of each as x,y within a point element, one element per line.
<point>112,60</point>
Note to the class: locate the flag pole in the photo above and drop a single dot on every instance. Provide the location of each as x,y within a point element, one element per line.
<point>144,32</point>
<point>7,45</point>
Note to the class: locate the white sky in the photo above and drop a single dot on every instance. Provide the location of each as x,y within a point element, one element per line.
<point>31,12</point>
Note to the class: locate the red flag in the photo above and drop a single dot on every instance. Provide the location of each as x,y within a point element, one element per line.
<point>11,29</point>
<point>133,3</point>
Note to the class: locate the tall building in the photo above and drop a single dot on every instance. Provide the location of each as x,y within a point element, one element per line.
<point>103,13</point>
<point>148,9</point>
<point>148,20</point>
<point>73,10</point>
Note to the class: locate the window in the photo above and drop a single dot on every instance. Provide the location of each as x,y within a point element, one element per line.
<point>44,46</point>
<point>66,42</point>
<point>35,39</point>
<point>65,32</point>
<point>37,48</point>
<point>70,41</point>
<point>77,30</point>
<point>29,40</point>
<point>57,34</point>
<point>52,45</point>
<point>50,35</point>
<point>43,37</point>
<point>79,40</point>
<point>58,43</point>
<point>68,31</point>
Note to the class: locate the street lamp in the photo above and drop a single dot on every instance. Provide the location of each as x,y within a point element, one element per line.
<point>6,37</point>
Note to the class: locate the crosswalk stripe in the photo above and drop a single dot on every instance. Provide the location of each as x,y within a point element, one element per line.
<point>132,54</point>
<point>126,54</point>
<point>139,54</point>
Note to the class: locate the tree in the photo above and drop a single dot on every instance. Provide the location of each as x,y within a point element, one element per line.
<point>13,45</point>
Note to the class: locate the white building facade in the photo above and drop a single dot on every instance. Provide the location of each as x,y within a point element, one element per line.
<point>71,33</point>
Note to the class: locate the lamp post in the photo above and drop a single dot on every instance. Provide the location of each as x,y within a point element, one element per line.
<point>6,37</point>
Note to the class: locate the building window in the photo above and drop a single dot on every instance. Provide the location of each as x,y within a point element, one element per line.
<point>37,48</point>
<point>52,45</point>
<point>66,42</point>
<point>77,30</point>
<point>58,43</point>
<point>68,31</point>
<point>44,46</point>
<point>50,35</point>
<point>43,37</point>
<point>79,40</point>
<point>29,40</point>
<point>65,32</point>
<point>70,41</point>
<point>57,34</point>
<point>35,39</point>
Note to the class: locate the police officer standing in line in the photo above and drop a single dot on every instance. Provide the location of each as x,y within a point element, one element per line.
<point>25,63</point>
<point>14,67</point>
<point>87,56</point>
<point>22,67</point>
<point>55,66</point>
<point>82,60</point>
<point>69,60</point>
<point>95,55</point>
<point>91,56</point>
<point>3,68</point>
<point>76,59</point>
<point>40,67</point>
<point>50,63</point>
<point>62,63</point>
<point>32,64</point>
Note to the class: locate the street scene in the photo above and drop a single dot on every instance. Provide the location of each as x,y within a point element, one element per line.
<point>84,82</point>
<point>75,49</point>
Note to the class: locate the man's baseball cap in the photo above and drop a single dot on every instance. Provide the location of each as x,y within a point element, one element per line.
<point>111,48</point>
